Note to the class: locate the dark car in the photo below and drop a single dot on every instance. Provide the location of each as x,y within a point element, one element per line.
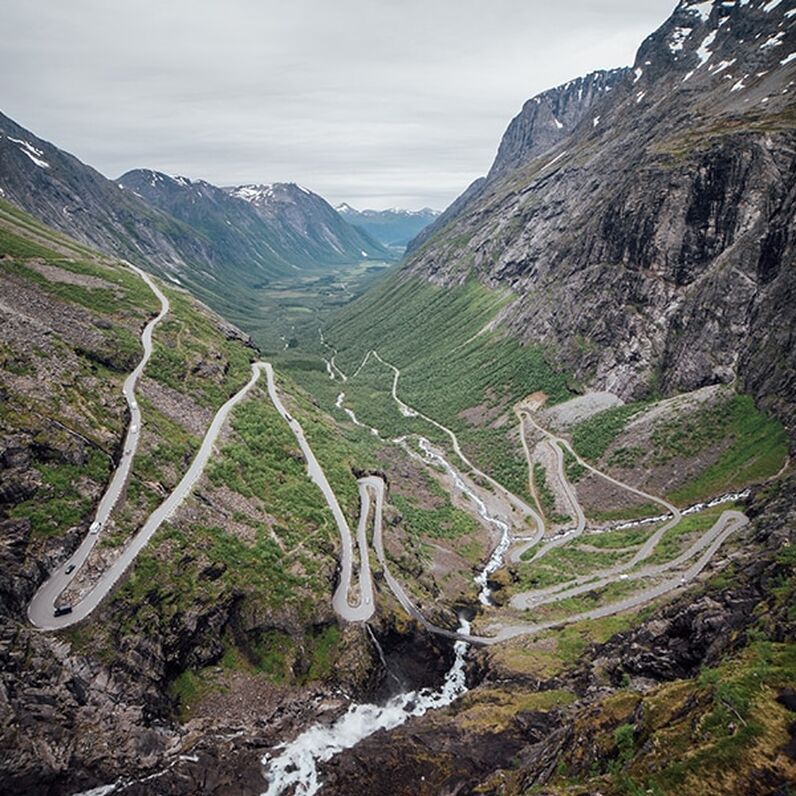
<point>60,610</point>
<point>69,568</point>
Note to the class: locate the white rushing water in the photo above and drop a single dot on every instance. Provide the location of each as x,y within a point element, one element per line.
<point>351,415</point>
<point>730,497</point>
<point>295,764</point>
<point>496,559</point>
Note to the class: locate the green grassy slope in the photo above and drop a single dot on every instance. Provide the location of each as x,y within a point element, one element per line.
<point>450,363</point>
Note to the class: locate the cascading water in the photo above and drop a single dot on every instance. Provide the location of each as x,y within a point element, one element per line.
<point>496,559</point>
<point>729,497</point>
<point>382,658</point>
<point>351,415</point>
<point>295,764</point>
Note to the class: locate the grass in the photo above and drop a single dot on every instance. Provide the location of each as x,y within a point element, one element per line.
<point>628,513</point>
<point>263,462</point>
<point>573,469</point>
<point>552,652</point>
<point>16,246</point>
<point>192,355</point>
<point>618,539</point>
<point>431,334</point>
<point>61,503</point>
<point>546,496</point>
<point>562,564</point>
<point>592,437</point>
<point>758,446</point>
<point>493,709</point>
<point>739,720</point>
<point>676,540</point>
<point>442,522</point>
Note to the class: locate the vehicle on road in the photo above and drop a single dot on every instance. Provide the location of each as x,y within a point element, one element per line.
<point>69,568</point>
<point>95,527</point>
<point>64,608</point>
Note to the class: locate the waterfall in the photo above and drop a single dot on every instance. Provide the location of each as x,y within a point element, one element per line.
<point>496,559</point>
<point>381,655</point>
<point>295,764</point>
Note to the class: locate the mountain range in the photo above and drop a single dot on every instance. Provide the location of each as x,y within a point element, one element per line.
<point>219,242</point>
<point>685,269</point>
<point>393,227</point>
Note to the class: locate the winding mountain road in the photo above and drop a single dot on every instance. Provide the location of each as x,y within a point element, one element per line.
<point>40,610</point>
<point>365,608</point>
<point>371,492</point>
<point>707,544</point>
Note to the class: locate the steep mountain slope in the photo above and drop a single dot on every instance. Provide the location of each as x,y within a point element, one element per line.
<point>231,225</point>
<point>264,233</point>
<point>668,209</point>
<point>550,117</point>
<point>67,194</point>
<point>543,122</point>
<point>231,596</point>
<point>308,224</point>
<point>390,227</point>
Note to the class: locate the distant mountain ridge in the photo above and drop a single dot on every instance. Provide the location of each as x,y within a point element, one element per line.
<point>265,229</point>
<point>391,227</point>
<point>311,224</point>
<point>206,238</point>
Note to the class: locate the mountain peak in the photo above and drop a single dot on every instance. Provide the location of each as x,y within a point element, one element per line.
<point>551,116</point>
<point>264,193</point>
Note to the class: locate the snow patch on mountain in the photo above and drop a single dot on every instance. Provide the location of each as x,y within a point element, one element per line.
<point>36,155</point>
<point>678,38</point>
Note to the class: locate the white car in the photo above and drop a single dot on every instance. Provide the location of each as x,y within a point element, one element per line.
<point>134,427</point>
<point>624,577</point>
<point>96,526</point>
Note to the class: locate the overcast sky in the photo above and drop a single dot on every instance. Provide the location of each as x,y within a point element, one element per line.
<point>375,102</point>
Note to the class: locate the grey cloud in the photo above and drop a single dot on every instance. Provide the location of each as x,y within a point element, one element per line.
<point>373,102</point>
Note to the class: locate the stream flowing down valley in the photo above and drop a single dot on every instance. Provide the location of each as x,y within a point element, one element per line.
<point>295,764</point>
<point>498,554</point>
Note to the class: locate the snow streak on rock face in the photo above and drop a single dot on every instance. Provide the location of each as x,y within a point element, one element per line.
<point>295,764</point>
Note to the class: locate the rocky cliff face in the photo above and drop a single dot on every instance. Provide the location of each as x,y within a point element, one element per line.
<point>650,247</point>
<point>550,117</point>
<point>544,121</point>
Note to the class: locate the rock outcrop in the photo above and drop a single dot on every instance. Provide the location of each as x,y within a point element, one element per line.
<point>649,244</point>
